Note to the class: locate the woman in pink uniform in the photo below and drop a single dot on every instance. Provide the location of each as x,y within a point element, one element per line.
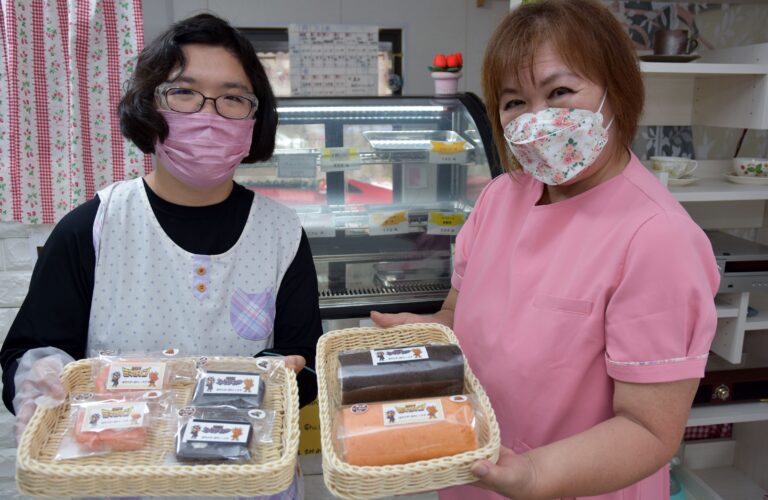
<point>582,291</point>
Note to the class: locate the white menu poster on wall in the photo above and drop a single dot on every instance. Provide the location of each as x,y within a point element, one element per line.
<point>333,59</point>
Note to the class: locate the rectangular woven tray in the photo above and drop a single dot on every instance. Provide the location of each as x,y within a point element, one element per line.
<point>359,482</point>
<point>145,472</point>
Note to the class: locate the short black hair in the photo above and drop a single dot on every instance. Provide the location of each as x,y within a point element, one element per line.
<point>140,120</point>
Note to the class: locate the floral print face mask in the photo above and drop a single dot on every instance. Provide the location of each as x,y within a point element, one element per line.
<point>556,144</point>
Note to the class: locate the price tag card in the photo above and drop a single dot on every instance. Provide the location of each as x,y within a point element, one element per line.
<point>340,159</point>
<point>297,165</point>
<point>388,223</point>
<point>318,225</point>
<point>442,158</point>
<point>445,223</point>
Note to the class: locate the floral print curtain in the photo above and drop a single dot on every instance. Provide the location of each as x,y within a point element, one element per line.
<point>63,64</point>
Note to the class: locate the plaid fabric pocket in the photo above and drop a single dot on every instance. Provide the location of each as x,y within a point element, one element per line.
<point>252,315</point>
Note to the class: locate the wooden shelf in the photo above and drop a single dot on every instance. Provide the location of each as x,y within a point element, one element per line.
<point>728,413</point>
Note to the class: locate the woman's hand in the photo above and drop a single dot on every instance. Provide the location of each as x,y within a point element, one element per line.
<point>387,320</point>
<point>295,362</point>
<point>444,316</point>
<point>38,383</point>
<point>513,475</point>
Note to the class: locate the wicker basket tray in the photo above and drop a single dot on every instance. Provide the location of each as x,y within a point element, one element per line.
<point>145,472</point>
<point>357,482</point>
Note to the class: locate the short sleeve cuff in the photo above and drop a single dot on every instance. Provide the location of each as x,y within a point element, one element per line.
<point>665,370</point>
<point>456,280</point>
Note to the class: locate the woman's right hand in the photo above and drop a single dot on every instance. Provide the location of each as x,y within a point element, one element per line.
<point>38,383</point>
<point>387,320</point>
<point>444,316</point>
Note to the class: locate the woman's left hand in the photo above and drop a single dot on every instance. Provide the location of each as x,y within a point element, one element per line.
<point>296,363</point>
<point>512,476</point>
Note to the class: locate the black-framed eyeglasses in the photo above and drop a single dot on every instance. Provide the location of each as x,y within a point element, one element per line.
<point>232,106</point>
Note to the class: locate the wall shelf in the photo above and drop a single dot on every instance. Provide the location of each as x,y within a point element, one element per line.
<point>718,189</point>
<point>702,69</point>
<point>726,310</point>
<point>725,88</point>
<point>719,483</point>
<point>730,413</point>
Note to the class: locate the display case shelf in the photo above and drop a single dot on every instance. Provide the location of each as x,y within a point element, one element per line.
<point>381,186</point>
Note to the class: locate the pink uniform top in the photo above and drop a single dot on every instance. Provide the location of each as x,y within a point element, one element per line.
<point>556,301</point>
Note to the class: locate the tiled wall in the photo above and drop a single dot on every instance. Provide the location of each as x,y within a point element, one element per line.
<point>18,255</point>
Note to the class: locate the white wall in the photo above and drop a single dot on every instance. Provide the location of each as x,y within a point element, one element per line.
<point>429,26</point>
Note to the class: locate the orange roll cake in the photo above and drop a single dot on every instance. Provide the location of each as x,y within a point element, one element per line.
<point>401,432</point>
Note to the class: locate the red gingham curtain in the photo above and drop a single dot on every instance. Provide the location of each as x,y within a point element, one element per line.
<point>63,64</point>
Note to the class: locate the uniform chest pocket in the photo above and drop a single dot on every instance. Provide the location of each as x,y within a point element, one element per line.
<point>553,303</point>
<point>252,315</point>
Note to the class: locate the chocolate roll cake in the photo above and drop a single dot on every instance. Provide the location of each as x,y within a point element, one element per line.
<point>400,373</point>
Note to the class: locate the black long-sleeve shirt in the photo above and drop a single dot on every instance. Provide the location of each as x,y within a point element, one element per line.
<point>57,307</point>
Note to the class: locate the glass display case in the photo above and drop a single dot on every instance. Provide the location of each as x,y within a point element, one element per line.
<point>382,186</point>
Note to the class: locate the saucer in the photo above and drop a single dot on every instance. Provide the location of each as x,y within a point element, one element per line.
<point>682,181</point>
<point>668,57</point>
<point>744,179</point>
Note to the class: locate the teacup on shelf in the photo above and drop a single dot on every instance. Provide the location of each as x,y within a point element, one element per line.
<point>674,166</point>
<point>750,167</point>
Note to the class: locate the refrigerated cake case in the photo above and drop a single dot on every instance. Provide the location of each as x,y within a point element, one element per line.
<point>382,185</point>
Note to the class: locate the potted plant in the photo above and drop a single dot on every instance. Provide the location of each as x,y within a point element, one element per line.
<point>446,71</point>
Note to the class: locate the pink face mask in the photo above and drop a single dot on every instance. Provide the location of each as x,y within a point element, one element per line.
<point>203,149</point>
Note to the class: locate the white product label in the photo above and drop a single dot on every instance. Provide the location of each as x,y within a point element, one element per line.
<point>442,158</point>
<point>231,383</point>
<point>135,375</point>
<point>340,165</point>
<point>445,223</point>
<point>99,417</point>
<point>418,353</point>
<point>216,431</point>
<point>340,159</point>
<point>388,223</point>
<point>413,412</point>
<point>340,153</point>
<point>297,165</point>
<point>318,225</point>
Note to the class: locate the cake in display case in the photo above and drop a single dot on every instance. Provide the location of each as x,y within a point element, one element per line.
<point>382,187</point>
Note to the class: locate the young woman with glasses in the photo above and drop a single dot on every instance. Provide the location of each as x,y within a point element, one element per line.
<point>183,257</point>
